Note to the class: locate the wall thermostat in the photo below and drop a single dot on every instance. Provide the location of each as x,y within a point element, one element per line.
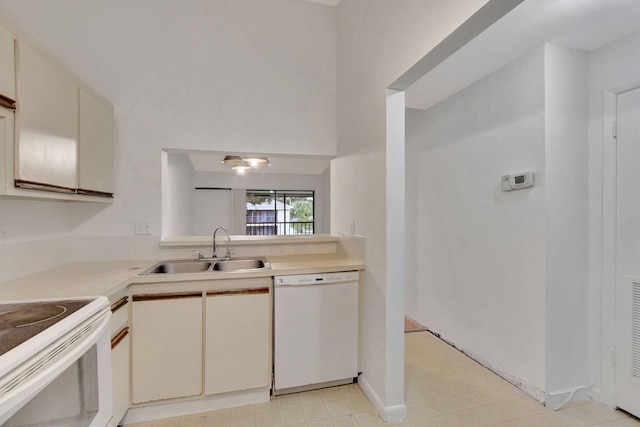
<point>517,181</point>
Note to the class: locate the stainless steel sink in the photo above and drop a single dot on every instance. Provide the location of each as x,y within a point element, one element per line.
<point>179,266</point>
<point>188,266</point>
<point>241,264</point>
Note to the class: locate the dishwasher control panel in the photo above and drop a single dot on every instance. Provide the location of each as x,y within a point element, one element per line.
<point>313,279</point>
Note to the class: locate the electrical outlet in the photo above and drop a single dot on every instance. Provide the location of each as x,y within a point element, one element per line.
<point>143,227</point>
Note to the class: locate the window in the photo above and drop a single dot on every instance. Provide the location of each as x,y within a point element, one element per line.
<point>279,213</point>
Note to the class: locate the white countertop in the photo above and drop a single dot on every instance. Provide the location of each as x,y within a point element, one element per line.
<point>109,277</point>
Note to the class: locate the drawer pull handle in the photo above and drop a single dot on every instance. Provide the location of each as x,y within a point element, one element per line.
<point>119,304</point>
<point>153,297</point>
<point>119,337</point>
<point>238,292</point>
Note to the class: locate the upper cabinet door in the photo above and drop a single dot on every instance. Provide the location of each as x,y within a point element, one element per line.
<point>96,144</point>
<point>7,69</point>
<point>47,121</point>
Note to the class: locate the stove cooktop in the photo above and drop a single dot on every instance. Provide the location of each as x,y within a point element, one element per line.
<point>23,320</point>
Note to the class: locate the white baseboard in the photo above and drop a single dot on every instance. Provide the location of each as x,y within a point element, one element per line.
<point>211,403</point>
<point>387,413</point>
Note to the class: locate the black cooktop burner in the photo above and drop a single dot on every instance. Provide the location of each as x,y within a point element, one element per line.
<point>21,321</point>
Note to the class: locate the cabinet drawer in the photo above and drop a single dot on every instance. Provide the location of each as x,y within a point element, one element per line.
<point>119,315</point>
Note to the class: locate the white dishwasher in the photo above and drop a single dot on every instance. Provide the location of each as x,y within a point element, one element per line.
<point>315,331</point>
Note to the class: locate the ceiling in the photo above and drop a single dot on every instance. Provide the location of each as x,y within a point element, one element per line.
<point>212,162</point>
<point>578,24</point>
<point>327,2</point>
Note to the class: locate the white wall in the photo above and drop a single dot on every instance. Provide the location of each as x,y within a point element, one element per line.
<point>377,41</point>
<point>567,217</point>
<point>179,197</point>
<point>504,275</point>
<point>251,75</point>
<point>476,254</point>
<point>612,68</point>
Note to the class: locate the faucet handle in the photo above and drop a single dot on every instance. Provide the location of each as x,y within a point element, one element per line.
<point>200,254</point>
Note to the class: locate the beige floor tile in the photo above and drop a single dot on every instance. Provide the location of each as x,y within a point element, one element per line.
<point>469,419</point>
<point>220,414</point>
<point>359,404</point>
<point>268,419</point>
<point>336,408</point>
<point>344,421</point>
<point>244,421</point>
<point>447,420</point>
<point>415,412</point>
<point>427,422</point>
<point>331,393</point>
<point>288,401</point>
<point>217,423</point>
<point>266,407</point>
<point>291,416</point>
<point>315,412</point>
<point>475,399</point>
<point>242,411</point>
<point>369,419</point>
<point>548,420</point>
<point>321,423</point>
<point>529,406</point>
<point>193,420</point>
<point>310,397</point>
<point>498,413</point>
<point>506,391</point>
<point>433,407</point>
<point>351,390</point>
<point>168,422</point>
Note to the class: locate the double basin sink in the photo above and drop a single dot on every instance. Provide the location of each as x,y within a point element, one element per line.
<point>188,266</point>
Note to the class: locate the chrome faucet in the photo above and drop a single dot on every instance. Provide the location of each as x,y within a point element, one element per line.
<point>228,253</point>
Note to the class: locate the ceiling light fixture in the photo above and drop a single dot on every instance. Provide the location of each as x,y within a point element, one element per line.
<point>242,164</point>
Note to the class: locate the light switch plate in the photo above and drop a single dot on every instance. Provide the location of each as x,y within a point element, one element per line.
<point>143,227</point>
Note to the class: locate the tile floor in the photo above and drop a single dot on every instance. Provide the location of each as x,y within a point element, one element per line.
<point>444,388</point>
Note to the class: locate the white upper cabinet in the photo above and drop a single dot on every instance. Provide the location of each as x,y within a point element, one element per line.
<point>47,122</point>
<point>62,142</point>
<point>7,69</point>
<point>96,144</point>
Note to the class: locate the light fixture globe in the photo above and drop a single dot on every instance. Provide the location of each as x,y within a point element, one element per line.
<point>242,164</point>
<point>257,162</point>
<point>233,160</point>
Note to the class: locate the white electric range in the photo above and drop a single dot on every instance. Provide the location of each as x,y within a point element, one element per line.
<point>55,363</point>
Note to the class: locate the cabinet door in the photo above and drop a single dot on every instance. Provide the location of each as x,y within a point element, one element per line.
<point>120,371</point>
<point>7,69</point>
<point>47,149</point>
<point>237,345</point>
<point>95,172</point>
<point>167,346</point>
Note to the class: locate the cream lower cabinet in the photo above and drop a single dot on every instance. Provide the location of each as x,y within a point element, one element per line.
<point>237,352</point>
<point>120,367</point>
<point>120,346</point>
<point>166,357</point>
